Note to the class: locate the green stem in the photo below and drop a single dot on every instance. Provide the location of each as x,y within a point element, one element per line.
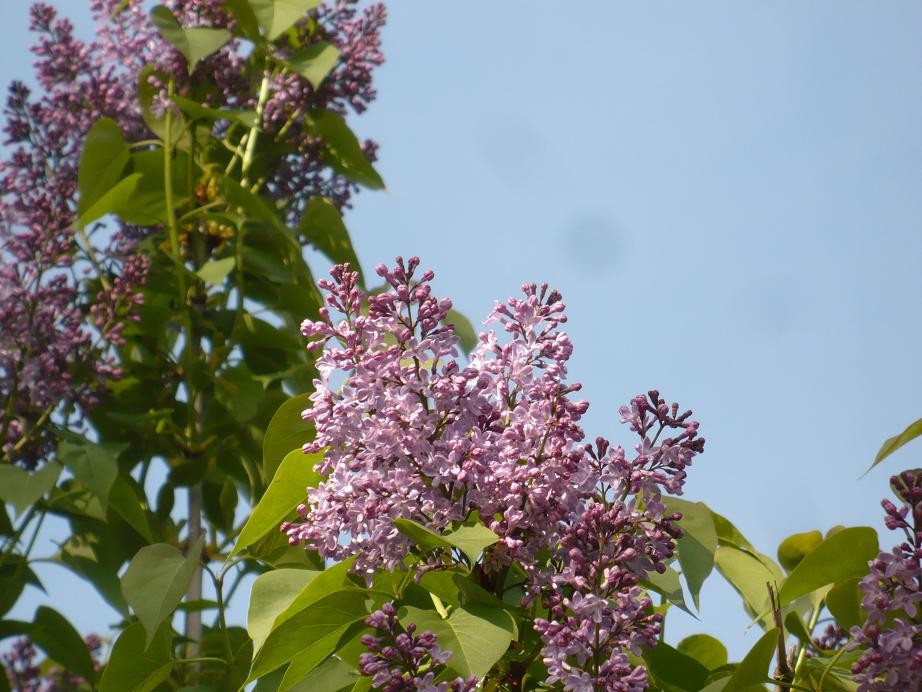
<point>87,247</point>
<point>10,545</point>
<point>802,653</point>
<point>171,225</point>
<point>218,581</point>
<point>202,659</point>
<point>253,134</point>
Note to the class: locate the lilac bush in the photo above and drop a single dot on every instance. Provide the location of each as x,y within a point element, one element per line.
<point>892,592</point>
<point>54,320</point>
<point>410,433</point>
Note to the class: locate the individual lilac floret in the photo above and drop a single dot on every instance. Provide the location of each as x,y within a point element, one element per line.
<point>597,611</point>
<point>410,434</point>
<point>402,660</point>
<point>892,591</point>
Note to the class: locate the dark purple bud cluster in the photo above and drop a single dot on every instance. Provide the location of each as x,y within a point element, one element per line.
<point>403,660</point>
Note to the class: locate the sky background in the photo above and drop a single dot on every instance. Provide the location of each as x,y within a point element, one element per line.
<point>728,195</point>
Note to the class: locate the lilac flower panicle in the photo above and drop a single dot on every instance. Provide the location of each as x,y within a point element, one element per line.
<point>403,660</point>
<point>597,611</point>
<point>410,433</point>
<point>892,592</point>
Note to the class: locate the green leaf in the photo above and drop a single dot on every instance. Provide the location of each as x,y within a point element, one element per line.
<point>197,111</point>
<point>894,443</point>
<point>331,675</point>
<point>470,540</point>
<point>464,330</point>
<point>286,431</point>
<point>671,666</point>
<point>697,546</point>
<point>125,498</point>
<point>113,201</point>
<point>95,466</point>
<point>844,554</point>
<point>277,16</point>
<point>749,573</point>
<point>315,62</point>
<point>668,586</point>
<point>705,649</point>
<point>793,548</point>
<point>22,489</point>
<point>253,204</point>
<point>728,534</point>
<point>148,203</point>
<point>272,593</point>
<point>135,667</point>
<point>61,642</point>
<point>246,19</point>
<point>844,602</point>
<point>194,43</point>
<point>312,632</point>
<point>342,150</point>
<point>14,575</point>
<point>322,225</point>
<point>795,624</point>
<point>239,392</point>
<point>103,161</point>
<point>336,578</point>
<point>147,91</point>
<point>213,272</point>
<point>156,581</point>
<point>477,635</point>
<point>753,669</point>
<point>287,490</point>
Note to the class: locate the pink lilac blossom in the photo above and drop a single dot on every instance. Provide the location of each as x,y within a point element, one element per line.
<point>403,660</point>
<point>41,284</point>
<point>409,433</point>
<point>597,611</point>
<point>892,591</point>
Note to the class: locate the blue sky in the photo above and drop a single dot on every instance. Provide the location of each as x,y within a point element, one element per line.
<point>729,196</point>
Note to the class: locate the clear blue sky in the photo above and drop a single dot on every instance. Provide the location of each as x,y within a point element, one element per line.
<point>729,196</point>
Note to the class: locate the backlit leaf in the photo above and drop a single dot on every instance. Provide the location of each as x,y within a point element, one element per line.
<point>156,581</point>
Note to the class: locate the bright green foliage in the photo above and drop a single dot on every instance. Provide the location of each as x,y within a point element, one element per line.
<point>478,635</point>
<point>843,555</point>
<point>793,548</point>
<point>156,581</point>
<point>193,43</point>
<point>135,665</point>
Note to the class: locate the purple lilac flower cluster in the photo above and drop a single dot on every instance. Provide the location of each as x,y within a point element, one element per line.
<point>597,611</point>
<point>403,660</point>
<point>41,330</point>
<point>409,433</point>
<point>892,632</point>
<point>25,674</point>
